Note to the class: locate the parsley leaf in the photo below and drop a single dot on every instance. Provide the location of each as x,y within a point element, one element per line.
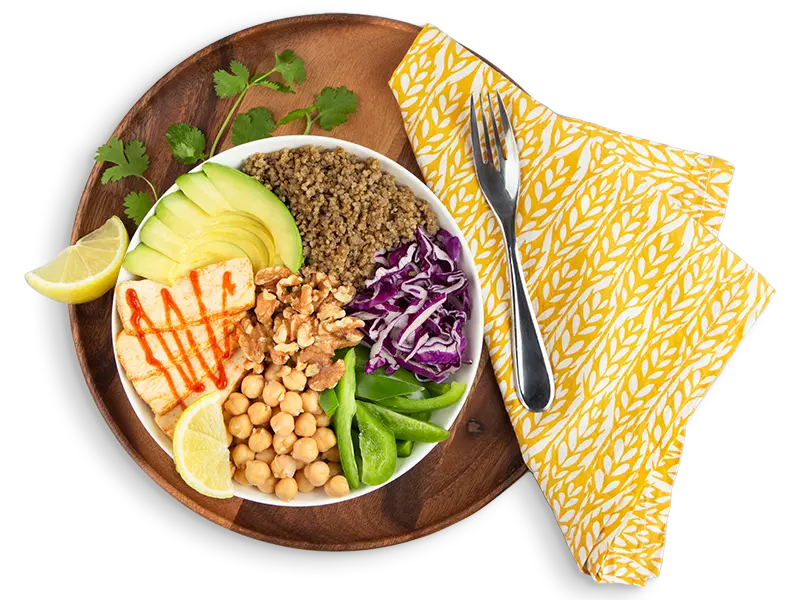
<point>273,85</point>
<point>130,159</point>
<point>255,124</point>
<point>227,84</point>
<point>333,106</point>
<point>137,205</point>
<point>295,114</point>
<point>291,67</point>
<point>188,143</point>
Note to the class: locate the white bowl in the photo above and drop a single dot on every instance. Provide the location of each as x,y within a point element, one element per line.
<point>466,374</point>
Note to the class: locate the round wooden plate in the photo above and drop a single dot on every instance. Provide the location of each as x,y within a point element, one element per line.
<point>481,458</point>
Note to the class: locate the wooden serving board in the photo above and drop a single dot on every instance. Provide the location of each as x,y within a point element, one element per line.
<point>481,458</point>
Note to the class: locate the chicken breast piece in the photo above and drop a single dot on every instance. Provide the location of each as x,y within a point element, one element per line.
<point>167,420</point>
<point>178,342</point>
<point>164,392</point>
<point>224,288</point>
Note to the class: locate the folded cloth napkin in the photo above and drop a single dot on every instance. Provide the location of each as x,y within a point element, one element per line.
<point>640,305</point>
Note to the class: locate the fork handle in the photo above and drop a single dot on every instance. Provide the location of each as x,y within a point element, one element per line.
<point>533,377</point>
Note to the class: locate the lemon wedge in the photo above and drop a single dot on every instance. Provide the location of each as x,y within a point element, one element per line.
<point>85,271</point>
<point>200,447</point>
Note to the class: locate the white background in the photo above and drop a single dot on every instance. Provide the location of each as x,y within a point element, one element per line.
<point>82,47</point>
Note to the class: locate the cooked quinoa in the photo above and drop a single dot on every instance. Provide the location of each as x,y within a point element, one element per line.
<point>347,209</point>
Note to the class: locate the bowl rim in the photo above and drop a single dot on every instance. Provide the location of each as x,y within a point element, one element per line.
<point>466,373</point>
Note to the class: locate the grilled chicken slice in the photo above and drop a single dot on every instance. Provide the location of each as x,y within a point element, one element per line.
<point>178,342</point>
<point>217,298</point>
<point>234,368</point>
<point>163,392</point>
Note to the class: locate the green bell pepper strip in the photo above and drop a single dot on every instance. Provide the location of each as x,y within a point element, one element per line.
<point>343,420</point>
<point>422,416</point>
<point>404,448</point>
<point>329,401</point>
<point>437,389</point>
<point>404,427</point>
<point>378,448</point>
<point>406,405</point>
<point>357,450</point>
<point>380,386</point>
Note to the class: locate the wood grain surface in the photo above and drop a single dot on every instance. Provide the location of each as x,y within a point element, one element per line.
<point>481,458</point>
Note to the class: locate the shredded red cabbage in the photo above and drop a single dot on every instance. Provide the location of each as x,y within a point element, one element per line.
<point>415,308</point>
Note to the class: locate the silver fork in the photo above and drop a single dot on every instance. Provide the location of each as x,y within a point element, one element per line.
<point>533,376</point>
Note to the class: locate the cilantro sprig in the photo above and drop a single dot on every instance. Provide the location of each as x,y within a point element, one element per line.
<point>255,124</point>
<point>129,160</point>
<point>330,108</point>
<point>188,143</point>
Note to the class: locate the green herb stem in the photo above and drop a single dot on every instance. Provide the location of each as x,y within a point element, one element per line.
<point>227,120</point>
<point>309,123</point>
<point>152,187</point>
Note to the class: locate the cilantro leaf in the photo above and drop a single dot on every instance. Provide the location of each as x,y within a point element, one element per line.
<point>137,205</point>
<point>291,67</point>
<point>333,106</point>
<point>129,159</point>
<point>188,143</point>
<point>255,124</point>
<point>273,85</point>
<point>295,114</point>
<point>229,84</point>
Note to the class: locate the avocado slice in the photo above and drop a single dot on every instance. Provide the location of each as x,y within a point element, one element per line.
<point>161,238</point>
<point>150,264</point>
<point>181,215</point>
<point>243,193</point>
<point>208,253</point>
<point>202,192</point>
<point>252,245</point>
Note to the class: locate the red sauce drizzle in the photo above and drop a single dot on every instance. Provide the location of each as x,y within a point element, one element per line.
<point>187,374</point>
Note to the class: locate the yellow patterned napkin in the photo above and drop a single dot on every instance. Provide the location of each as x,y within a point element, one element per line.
<point>639,304</point>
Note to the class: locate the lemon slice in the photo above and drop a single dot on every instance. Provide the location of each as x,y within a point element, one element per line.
<point>200,447</point>
<point>85,271</point>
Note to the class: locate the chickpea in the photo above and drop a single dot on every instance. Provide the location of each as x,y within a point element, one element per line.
<point>273,393</point>
<point>322,419</point>
<point>271,374</point>
<point>233,468</point>
<point>332,455</point>
<point>336,487</point>
<point>283,444</point>
<point>317,473</point>
<point>335,469</point>
<point>267,455</point>
<point>305,450</point>
<point>259,440</point>
<point>286,489</point>
<point>295,380</point>
<point>241,427</point>
<point>257,472</point>
<point>305,425</point>
<point>229,437</point>
<point>259,413</point>
<point>241,453</point>
<point>252,386</point>
<point>226,416</point>
<point>283,466</point>
<point>237,404</point>
<point>303,484</point>
<point>311,402</point>
<point>268,487</point>
<point>282,423</point>
<point>239,477</point>
<point>292,403</point>
<point>325,439</point>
